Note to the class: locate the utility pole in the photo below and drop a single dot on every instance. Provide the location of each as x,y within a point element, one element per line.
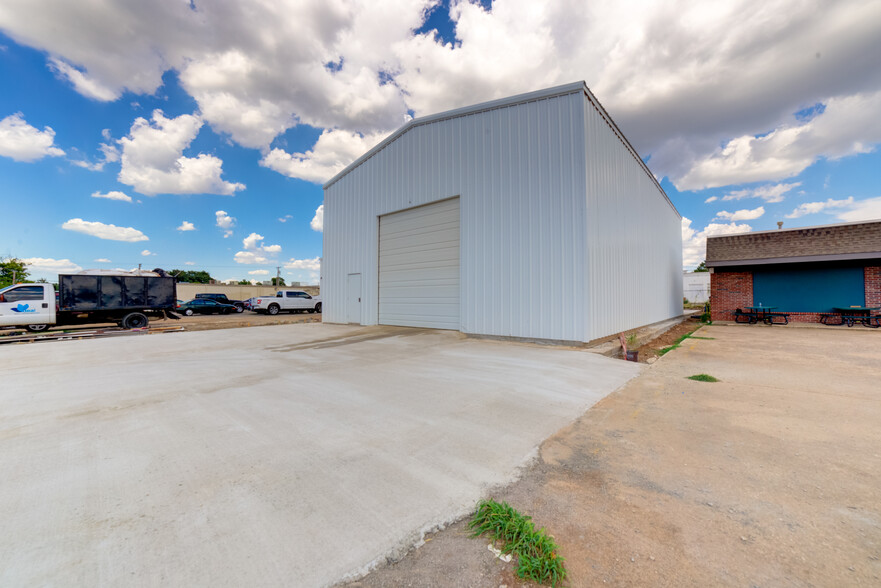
<point>139,269</point>
<point>14,272</point>
<point>278,276</point>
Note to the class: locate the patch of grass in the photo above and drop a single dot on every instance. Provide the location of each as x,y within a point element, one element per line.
<point>536,552</point>
<point>631,339</point>
<point>703,378</point>
<point>679,341</point>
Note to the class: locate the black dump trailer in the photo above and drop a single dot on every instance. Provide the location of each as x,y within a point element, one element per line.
<point>126,300</point>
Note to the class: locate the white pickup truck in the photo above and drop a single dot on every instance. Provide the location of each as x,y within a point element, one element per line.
<point>287,300</point>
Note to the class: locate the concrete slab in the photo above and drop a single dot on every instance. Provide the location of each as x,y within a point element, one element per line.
<point>287,455</point>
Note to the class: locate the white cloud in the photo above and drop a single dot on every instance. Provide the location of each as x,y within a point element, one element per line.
<point>815,207</point>
<point>110,154</point>
<point>225,222</point>
<point>189,263</point>
<point>848,126</point>
<point>22,142</point>
<point>285,218</point>
<point>317,223</point>
<point>334,150</point>
<point>250,257</point>
<point>113,195</point>
<point>711,199</point>
<point>82,83</point>
<point>147,252</point>
<point>694,243</point>
<point>47,264</point>
<point>153,160</point>
<point>300,264</point>
<point>255,251</point>
<point>101,260</point>
<point>680,78</point>
<point>258,273</point>
<point>186,226</point>
<point>103,231</point>
<point>770,193</point>
<point>740,215</point>
<point>869,209</point>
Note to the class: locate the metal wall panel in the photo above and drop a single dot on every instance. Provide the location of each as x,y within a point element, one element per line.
<point>519,173</point>
<point>634,237</point>
<point>563,234</point>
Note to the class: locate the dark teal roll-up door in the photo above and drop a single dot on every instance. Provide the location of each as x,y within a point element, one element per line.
<point>809,290</point>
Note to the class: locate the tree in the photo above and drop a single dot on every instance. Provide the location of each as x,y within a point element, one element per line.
<point>278,282</point>
<point>193,277</point>
<point>702,267</point>
<point>244,282</point>
<point>12,271</point>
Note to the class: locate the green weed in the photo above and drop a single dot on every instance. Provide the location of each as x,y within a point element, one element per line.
<point>537,558</point>
<point>703,378</point>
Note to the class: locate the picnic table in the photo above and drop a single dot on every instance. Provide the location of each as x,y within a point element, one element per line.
<point>851,315</point>
<point>766,314</point>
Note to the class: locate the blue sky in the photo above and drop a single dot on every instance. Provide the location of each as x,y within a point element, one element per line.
<point>197,136</point>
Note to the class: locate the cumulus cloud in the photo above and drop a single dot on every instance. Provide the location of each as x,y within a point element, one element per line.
<point>313,264</point>
<point>102,260</point>
<point>225,222</point>
<point>258,273</point>
<point>740,215</point>
<point>317,223</point>
<point>186,226</point>
<point>334,150</point>
<point>862,210</point>
<point>255,252</point>
<point>189,263</point>
<point>104,231</point>
<point>147,253</point>
<point>694,242</point>
<point>848,126</point>
<point>769,193</point>
<point>22,142</point>
<point>680,78</point>
<point>815,207</point>
<point>285,218</point>
<point>153,161</point>
<point>83,83</point>
<point>113,195</point>
<point>109,154</point>
<point>47,264</point>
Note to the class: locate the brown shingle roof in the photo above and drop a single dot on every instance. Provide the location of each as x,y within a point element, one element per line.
<point>845,241</point>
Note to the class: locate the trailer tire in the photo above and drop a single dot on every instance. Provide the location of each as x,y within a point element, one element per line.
<point>135,320</point>
<point>36,328</point>
<point>240,308</point>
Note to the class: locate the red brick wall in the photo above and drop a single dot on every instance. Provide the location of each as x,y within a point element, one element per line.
<point>873,285</point>
<point>728,291</point>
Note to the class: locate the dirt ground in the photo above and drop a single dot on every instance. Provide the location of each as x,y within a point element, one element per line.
<point>769,477</point>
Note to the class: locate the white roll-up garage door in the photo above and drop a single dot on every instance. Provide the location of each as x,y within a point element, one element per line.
<point>419,266</point>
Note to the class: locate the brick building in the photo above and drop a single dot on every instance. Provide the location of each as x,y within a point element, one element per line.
<point>804,271</point>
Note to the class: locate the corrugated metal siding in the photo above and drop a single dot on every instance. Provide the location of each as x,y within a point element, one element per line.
<point>634,238</point>
<point>519,173</point>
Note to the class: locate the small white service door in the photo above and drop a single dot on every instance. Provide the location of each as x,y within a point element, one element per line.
<point>353,299</point>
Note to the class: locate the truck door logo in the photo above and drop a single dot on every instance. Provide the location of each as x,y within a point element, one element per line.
<point>23,308</point>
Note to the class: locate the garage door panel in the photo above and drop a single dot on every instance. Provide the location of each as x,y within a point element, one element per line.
<point>419,267</point>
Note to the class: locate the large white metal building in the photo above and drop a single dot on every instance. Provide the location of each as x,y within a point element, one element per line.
<point>530,216</point>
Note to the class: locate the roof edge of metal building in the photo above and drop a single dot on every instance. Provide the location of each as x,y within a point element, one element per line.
<point>571,88</point>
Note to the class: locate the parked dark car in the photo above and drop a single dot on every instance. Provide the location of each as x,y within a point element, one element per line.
<point>217,297</point>
<point>205,306</point>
